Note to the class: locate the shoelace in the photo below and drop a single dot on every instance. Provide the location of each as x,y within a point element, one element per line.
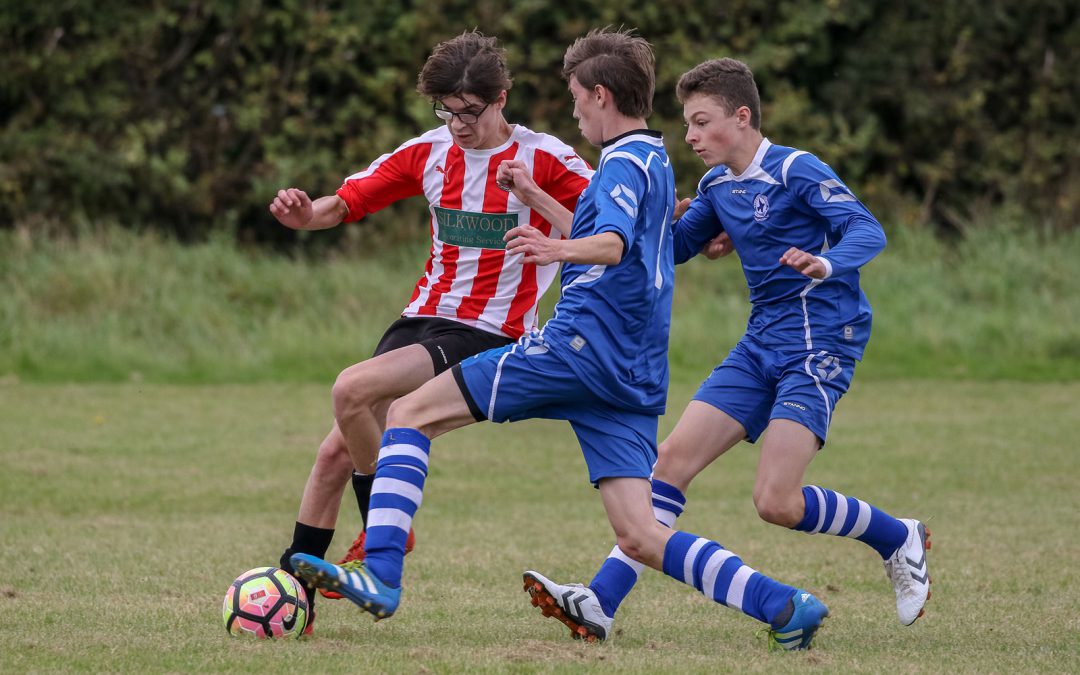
<point>352,565</point>
<point>900,572</point>
<point>769,635</point>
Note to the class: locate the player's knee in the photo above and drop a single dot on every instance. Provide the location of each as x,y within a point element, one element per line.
<point>639,540</point>
<point>777,509</point>
<point>403,412</point>
<point>672,467</point>
<point>353,389</point>
<point>633,545</point>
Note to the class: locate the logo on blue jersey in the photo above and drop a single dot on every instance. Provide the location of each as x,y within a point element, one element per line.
<point>833,190</point>
<point>761,207</point>
<point>626,199</point>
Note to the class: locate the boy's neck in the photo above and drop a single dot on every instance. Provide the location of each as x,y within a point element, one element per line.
<point>617,126</point>
<point>744,153</point>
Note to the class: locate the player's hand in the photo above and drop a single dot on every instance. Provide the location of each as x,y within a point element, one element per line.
<point>533,245</point>
<point>681,205</point>
<point>803,262</point>
<point>718,247</point>
<point>513,176</point>
<point>292,208</point>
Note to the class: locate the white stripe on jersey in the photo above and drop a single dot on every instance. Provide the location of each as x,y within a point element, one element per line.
<point>787,164</point>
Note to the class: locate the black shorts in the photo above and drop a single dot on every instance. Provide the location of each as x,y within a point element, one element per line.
<point>448,342</point>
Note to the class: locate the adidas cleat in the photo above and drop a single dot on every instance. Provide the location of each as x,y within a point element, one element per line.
<point>357,552</point>
<point>908,573</point>
<point>575,605</point>
<point>352,580</point>
<point>806,619</point>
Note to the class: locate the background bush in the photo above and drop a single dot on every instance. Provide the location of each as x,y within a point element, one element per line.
<point>187,116</point>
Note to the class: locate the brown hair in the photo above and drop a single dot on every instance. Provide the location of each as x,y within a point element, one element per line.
<point>728,81</point>
<point>620,61</point>
<point>471,63</point>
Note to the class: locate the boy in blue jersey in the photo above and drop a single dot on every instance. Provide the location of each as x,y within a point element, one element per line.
<point>599,363</point>
<point>801,236</point>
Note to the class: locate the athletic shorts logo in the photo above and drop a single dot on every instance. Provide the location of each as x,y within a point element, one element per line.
<point>761,207</point>
<point>793,404</point>
<point>828,368</point>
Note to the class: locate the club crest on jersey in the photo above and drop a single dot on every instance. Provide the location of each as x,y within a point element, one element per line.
<point>761,207</point>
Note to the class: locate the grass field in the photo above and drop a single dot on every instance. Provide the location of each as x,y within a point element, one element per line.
<point>128,508</point>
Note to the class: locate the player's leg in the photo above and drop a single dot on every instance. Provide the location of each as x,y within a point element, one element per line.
<point>702,434</point>
<point>806,397</point>
<point>365,389</point>
<point>446,342</point>
<point>362,484</point>
<point>793,615</point>
<point>412,421</point>
<point>736,396</point>
<point>314,528</point>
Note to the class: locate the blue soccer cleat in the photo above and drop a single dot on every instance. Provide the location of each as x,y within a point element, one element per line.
<point>805,621</point>
<point>352,580</point>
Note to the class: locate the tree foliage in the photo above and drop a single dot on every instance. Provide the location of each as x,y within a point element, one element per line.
<point>190,115</point>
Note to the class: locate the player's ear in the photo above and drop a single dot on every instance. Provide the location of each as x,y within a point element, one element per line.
<point>602,94</point>
<point>743,115</point>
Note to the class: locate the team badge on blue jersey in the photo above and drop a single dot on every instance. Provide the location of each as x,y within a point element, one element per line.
<point>761,207</point>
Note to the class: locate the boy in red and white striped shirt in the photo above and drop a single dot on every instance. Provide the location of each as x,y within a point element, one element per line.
<point>472,296</point>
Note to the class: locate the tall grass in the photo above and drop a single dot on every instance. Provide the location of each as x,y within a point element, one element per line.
<point>116,306</point>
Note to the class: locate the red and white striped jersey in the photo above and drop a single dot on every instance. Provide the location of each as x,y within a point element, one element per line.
<point>469,278</point>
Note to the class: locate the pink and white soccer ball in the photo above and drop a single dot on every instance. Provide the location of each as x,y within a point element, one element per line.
<point>265,602</point>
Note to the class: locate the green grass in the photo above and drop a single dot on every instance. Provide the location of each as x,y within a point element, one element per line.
<point>117,307</point>
<point>128,509</point>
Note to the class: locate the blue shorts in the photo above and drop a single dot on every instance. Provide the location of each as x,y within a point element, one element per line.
<point>527,381</point>
<point>755,385</point>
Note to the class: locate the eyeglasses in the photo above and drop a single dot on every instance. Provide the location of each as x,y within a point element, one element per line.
<point>467,117</point>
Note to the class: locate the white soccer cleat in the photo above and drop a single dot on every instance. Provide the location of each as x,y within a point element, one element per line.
<point>908,572</point>
<point>575,605</point>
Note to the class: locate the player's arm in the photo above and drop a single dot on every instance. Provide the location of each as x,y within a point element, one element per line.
<point>861,235</point>
<point>294,209</point>
<point>696,230</point>
<point>605,248</point>
<point>513,175</point>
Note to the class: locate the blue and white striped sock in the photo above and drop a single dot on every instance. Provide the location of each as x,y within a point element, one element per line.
<point>617,576</point>
<point>721,576</point>
<point>833,513</point>
<point>396,494</point>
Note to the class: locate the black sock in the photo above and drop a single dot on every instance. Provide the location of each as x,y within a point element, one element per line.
<point>361,485</point>
<point>306,539</point>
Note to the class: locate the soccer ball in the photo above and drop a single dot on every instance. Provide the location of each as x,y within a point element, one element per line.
<point>265,602</point>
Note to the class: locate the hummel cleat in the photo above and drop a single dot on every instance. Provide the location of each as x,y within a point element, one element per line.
<point>352,580</point>
<point>806,619</point>
<point>908,573</point>
<point>575,605</point>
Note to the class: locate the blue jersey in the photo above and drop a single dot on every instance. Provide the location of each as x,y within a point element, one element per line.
<point>786,198</point>
<point>611,323</point>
